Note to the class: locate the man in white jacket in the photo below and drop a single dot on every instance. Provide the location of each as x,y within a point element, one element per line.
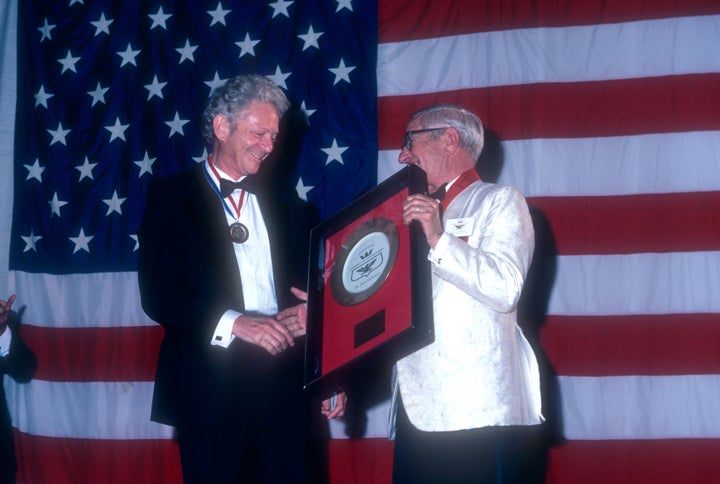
<point>465,401</point>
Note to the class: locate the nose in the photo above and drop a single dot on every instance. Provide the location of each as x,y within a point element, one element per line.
<point>267,142</point>
<point>405,155</point>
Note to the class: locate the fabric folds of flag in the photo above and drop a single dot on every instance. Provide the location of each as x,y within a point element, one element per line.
<point>604,114</point>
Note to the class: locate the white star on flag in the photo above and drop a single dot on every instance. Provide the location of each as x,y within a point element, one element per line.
<point>145,165</point>
<point>279,78</point>
<point>35,171</point>
<point>307,112</point>
<point>334,153</point>
<point>215,82</point>
<point>102,25</point>
<point>247,46</point>
<point>58,135</point>
<point>68,63</point>
<point>46,31</point>
<point>81,241</point>
<point>342,73</point>
<point>155,88</point>
<point>280,8</point>
<point>176,125</point>
<point>30,241</point>
<point>86,169</point>
<point>128,55</point>
<point>202,157</point>
<point>117,130</point>
<point>41,98</point>
<point>186,52</point>
<point>98,94</point>
<point>311,38</point>
<point>114,204</point>
<point>55,205</point>
<point>218,15</point>
<point>344,4</point>
<point>158,19</point>
<point>302,190</point>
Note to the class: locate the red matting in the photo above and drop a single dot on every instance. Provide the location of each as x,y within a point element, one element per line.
<point>338,345</point>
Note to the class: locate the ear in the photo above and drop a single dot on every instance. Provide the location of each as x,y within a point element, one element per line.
<point>221,127</point>
<point>452,140</point>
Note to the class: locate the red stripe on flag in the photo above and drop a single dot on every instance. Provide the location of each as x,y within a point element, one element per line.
<point>571,110</point>
<point>369,461</point>
<point>361,461</point>
<point>665,344</point>
<point>95,460</point>
<point>668,222</point>
<point>420,19</point>
<point>635,461</point>
<point>94,354</point>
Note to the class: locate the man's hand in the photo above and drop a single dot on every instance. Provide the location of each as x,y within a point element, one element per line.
<point>339,401</point>
<point>5,312</point>
<point>264,332</point>
<point>425,210</point>
<point>295,318</point>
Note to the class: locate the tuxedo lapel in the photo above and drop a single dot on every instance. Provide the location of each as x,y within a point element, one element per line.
<point>209,220</point>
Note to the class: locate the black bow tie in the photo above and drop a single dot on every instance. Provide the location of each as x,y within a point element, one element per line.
<point>228,186</point>
<point>439,194</point>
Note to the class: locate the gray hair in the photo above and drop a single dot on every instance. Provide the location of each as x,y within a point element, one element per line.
<point>467,124</point>
<point>235,95</point>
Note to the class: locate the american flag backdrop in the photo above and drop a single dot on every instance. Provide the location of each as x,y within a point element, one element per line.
<point>605,114</point>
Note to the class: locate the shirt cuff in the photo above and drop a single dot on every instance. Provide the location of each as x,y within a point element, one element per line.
<point>435,255</point>
<point>223,331</point>
<point>5,340</point>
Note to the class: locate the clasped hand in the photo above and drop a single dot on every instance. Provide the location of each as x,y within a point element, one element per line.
<point>277,334</point>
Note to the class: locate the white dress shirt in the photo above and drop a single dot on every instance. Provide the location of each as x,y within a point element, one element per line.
<point>253,259</point>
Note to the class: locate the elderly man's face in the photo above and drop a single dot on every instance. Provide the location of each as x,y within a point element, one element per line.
<point>243,149</point>
<point>423,147</point>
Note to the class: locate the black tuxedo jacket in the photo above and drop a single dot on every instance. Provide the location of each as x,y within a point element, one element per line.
<point>189,277</point>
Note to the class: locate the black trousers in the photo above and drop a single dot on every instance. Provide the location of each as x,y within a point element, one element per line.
<point>498,455</point>
<point>285,446</point>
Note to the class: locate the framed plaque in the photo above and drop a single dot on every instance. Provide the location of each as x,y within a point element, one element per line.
<point>369,289</point>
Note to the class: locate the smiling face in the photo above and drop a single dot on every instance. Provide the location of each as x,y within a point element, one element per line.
<point>428,154</point>
<point>240,150</point>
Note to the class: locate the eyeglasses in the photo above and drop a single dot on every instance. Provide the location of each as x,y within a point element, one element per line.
<point>407,140</point>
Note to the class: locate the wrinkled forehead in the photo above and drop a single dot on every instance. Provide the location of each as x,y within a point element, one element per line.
<point>415,123</point>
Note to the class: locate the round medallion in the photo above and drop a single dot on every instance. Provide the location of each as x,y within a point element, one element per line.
<point>364,261</point>
<point>239,233</point>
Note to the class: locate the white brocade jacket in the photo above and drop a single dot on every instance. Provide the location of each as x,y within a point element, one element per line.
<point>480,370</point>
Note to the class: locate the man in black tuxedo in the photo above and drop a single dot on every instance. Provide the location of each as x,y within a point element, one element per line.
<point>220,250</point>
<point>17,361</point>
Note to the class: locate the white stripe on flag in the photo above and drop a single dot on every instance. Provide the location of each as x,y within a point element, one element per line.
<point>72,300</point>
<point>84,410</point>
<point>652,283</point>
<point>618,165</point>
<point>604,52</point>
<point>620,407</point>
<point>641,407</point>
<point>648,283</point>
